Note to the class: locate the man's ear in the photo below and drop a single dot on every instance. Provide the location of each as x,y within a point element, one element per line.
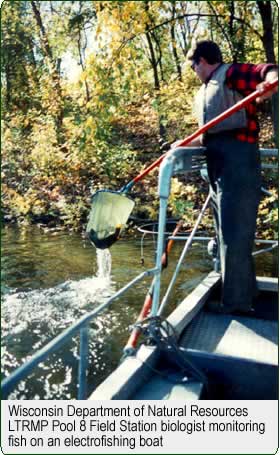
<point>203,60</point>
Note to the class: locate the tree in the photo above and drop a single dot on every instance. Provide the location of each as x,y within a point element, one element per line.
<point>79,25</point>
<point>174,42</point>
<point>57,100</point>
<point>265,10</point>
<point>18,60</point>
<point>63,135</point>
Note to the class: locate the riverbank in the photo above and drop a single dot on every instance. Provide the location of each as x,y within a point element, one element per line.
<point>60,198</point>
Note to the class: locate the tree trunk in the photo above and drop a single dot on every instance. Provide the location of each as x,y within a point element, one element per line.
<point>53,68</point>
<point>162,130</point>
<point>222,28</point>
<point>158,54</point>
<point>268,40</point>
<point>268,44</point>
<point>46,46</point>
<point>81,50</point>
<point>81,61</point>
<point>153,61</point>
<point>174,48</point>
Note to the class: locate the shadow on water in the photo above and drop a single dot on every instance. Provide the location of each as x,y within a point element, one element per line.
<point>51,279</point>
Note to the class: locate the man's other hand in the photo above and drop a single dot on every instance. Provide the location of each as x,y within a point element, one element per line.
<point>270,77</point>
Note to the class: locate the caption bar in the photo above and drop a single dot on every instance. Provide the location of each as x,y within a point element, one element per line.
<point>139,427</point>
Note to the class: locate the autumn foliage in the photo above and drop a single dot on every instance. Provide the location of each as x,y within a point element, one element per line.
<point>91,87</point>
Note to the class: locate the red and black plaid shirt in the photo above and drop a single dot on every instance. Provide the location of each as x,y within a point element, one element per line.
<point>244,77</point>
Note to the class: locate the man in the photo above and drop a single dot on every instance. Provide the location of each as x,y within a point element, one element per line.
<point>233,165</point>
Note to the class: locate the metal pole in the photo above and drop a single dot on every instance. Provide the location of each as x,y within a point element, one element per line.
<point>160,243</point>
<point>83,364</point>
<point>186,247</point>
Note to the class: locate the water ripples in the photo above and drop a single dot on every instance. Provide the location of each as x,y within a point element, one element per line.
<point>50,280</point>
<point>43,314</point>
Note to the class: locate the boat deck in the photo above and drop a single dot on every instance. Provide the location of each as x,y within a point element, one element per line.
<point>238,354</point>
<point>235,336</point>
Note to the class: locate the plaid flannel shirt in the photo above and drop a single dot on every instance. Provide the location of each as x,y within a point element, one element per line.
<point>244,77</point>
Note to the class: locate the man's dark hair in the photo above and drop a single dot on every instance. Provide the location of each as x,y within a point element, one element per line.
<point>208,50</point>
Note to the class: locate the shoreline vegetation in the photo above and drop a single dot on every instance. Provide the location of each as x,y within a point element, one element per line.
<point>91,89</point>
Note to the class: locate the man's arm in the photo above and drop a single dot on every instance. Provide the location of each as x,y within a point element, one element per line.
<point>270,76</point>
<point>246,77</point>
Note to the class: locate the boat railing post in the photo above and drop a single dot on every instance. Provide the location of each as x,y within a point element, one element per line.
<point>165,174</point>
<point>83,363</point>
<point>178,160</point>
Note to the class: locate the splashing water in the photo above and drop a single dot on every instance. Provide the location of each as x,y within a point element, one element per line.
<point>104,264</point>
<point>32,318</point>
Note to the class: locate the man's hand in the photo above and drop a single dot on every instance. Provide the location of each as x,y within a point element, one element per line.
<point>176,143</point>
<point>270,77</point>
<point>195,143</point>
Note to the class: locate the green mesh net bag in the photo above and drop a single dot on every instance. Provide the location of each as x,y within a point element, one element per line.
<point>109,213</point>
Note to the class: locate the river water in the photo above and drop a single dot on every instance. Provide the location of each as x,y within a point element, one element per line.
<point>51,278</point>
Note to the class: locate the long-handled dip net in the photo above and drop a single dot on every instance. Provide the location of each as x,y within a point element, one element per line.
<point>110,210</point>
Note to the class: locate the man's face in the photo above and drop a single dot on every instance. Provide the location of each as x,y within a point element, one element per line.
<point>200,67</point>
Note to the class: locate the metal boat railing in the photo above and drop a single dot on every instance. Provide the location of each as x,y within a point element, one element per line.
<point>181,160</point>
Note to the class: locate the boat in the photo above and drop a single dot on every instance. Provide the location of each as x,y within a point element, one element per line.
<point>196,353</point>
<point>192,353</point>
